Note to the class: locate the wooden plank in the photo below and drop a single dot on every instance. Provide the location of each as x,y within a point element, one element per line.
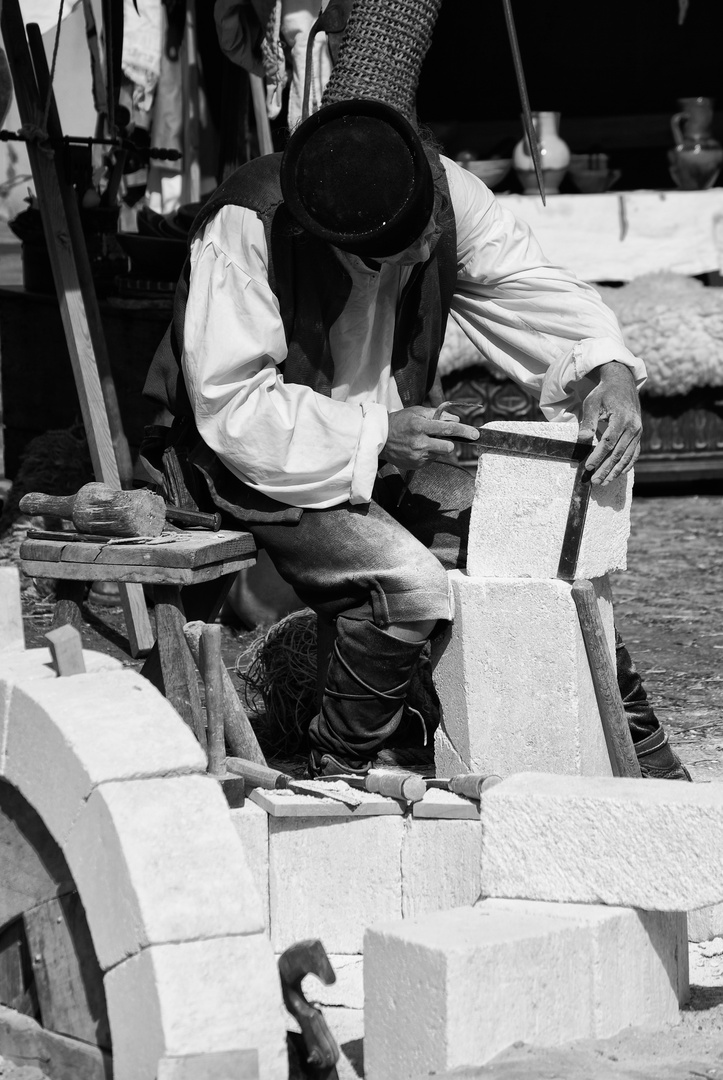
<point>180,683</point>
<point>151,575</point>
<point>189,552</point>
<point>80,553</point>
<point>290,804</point>
<point>24,1042</point>
<point>41,550</point>
<point>16,974</point>
<point>445,805</point>
<point>66,650</point>
<point>33,867</point>
<point>68,978</point>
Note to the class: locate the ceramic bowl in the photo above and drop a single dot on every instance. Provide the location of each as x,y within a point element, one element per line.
<point>592,181</point>
<point>492,171</point>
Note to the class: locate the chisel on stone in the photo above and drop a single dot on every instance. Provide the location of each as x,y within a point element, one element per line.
<point>262,776</point>
<point>470,785</point>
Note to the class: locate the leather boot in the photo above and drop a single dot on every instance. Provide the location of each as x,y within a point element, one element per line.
<point>656,757</point>
<point>361,706</point>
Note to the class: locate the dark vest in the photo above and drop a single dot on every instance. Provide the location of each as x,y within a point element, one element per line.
<point>312,288</point>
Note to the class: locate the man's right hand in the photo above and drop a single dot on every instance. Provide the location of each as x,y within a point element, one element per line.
<point>415,438</point>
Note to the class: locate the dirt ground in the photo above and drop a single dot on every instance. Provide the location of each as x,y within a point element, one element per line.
<point>668,609</point>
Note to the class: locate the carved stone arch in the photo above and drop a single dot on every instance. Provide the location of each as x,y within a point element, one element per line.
<point>111,774</point>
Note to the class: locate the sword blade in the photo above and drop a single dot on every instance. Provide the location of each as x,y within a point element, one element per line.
<point>524,99</point>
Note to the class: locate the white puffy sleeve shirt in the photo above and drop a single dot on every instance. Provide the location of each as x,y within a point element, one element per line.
<point>533,320</point>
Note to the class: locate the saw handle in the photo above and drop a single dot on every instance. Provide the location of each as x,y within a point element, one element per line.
<point>56,505</point>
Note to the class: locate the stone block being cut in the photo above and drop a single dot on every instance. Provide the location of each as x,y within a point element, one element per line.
<point>650,844</point>
<point>252,826</point>
<point>514,680</point>
<point>452,990</point>
<point>520,512</point>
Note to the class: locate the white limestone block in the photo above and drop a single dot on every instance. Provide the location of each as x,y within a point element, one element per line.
<point>454,989</point>
<point>514,680</point>
<point>332,877</point>
<point>440,865</point>
<point>198,997</point>
<point>18,666</point>
<point>93,728</point>
<point>520,512</point>
<point>252,825</point>
<point>651,844</point>
<point>159,861</point>
<point>12,635</point>
<point>705,923</point>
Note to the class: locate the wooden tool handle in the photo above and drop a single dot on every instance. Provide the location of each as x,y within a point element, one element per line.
<point>396,785</point>
<point>256,775</point>
<point>604,676</point>
<point>240,736</point>
<point>194,519</point>
<point>211,667</point>
<point>471,785</point>
<point>58,505</point>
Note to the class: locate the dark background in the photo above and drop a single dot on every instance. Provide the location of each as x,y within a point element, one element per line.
<point>613,69</point>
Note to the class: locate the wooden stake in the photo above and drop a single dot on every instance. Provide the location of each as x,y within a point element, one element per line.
<point>241,736</point>
<point>76,296</point>
<point>261,116</point>
<point>211,667</point>
<point>604,676</point>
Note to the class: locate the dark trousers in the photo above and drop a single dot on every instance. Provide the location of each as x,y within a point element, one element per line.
<point>387,562</point>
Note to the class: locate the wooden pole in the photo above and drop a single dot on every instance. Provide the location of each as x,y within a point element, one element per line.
<point>261,116</point>
<point>211,668</point>
<point>191,186</point>
<point>619,741</point>
<point>76,295</point>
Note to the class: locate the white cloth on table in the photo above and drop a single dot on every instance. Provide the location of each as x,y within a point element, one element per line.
<point>533,320</point>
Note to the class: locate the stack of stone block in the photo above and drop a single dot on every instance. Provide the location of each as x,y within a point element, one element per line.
<point>580,929</point>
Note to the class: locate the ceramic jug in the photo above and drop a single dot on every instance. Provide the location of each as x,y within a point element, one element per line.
<point>554,152</point>
<point>696,158</point>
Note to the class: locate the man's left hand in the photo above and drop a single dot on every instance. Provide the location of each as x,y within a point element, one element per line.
<point>615,399</point>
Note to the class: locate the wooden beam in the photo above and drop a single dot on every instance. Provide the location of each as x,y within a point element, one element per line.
<point>68,978</point>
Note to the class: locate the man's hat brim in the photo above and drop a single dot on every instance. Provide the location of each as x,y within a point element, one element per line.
<point>356,175</point>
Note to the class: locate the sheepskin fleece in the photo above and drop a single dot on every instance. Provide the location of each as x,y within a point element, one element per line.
<point>674,323</point>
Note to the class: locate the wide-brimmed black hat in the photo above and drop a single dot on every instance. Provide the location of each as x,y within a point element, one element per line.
<point>356,175</point>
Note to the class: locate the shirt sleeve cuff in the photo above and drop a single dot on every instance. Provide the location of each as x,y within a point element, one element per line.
<point>372,437</point>
<point>565,385</point>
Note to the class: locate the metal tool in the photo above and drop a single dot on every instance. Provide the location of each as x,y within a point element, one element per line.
<point>316,1048</point>
<point>524,99</point>
<point>262,776</point>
